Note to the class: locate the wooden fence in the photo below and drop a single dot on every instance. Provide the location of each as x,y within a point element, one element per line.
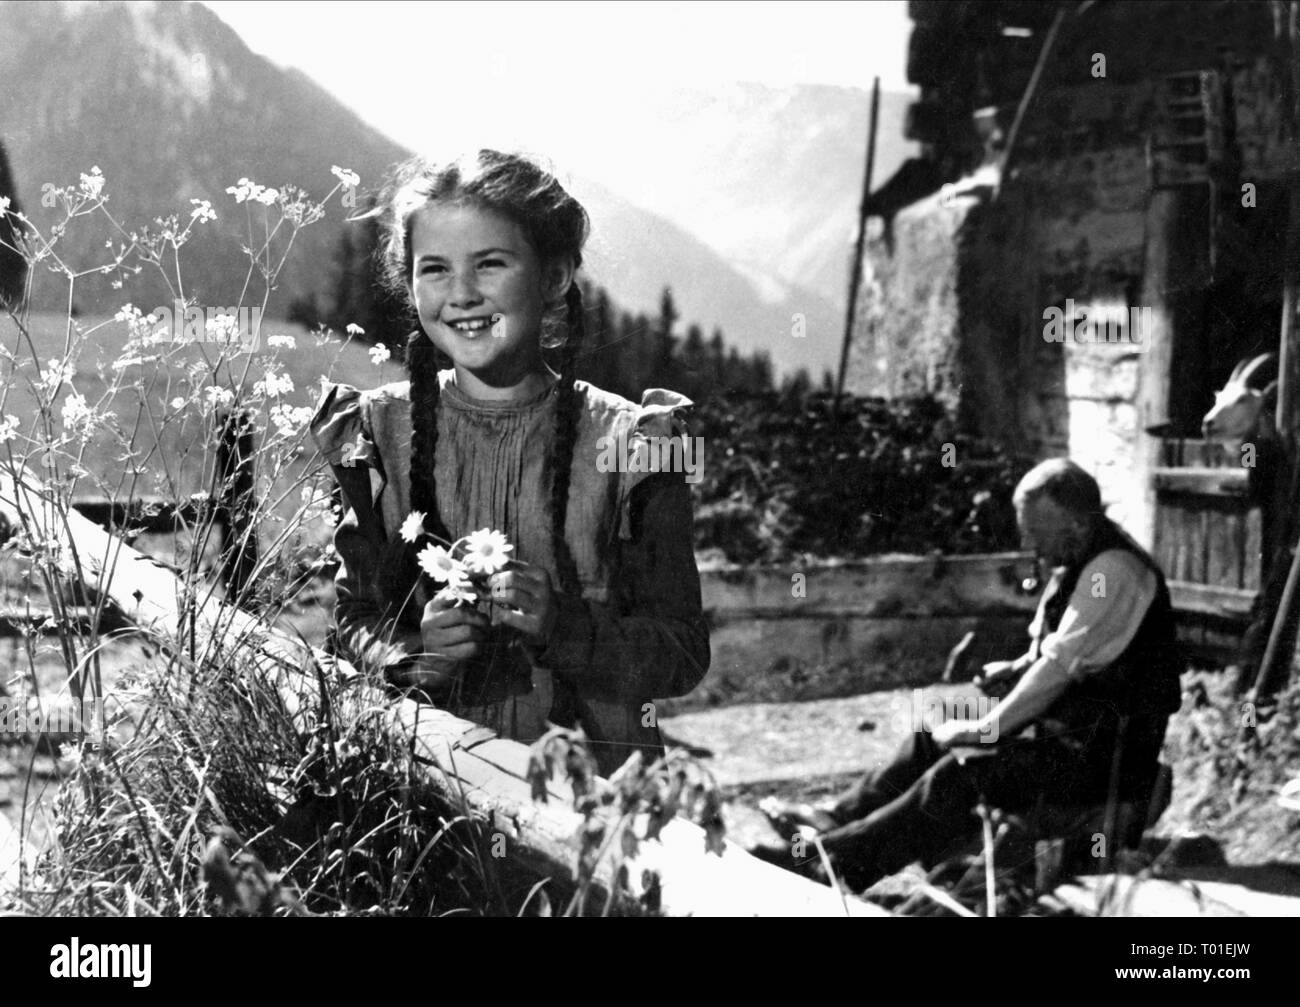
<point>467,764</point>
<point>818,631</point>
<point>1210,540</point>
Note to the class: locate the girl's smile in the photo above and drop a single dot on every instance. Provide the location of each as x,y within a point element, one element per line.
<point>481,292</point>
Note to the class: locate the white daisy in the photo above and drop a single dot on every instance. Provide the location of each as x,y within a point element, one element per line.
<point>413,526</point>
<point>438,563</point>
<point>485,551</point>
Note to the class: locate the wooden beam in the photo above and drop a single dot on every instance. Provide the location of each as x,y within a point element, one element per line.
<point>1174,271</point>
<point>467,764</point>
<point>1211,599</point>
<point>1123,895</point>
<point>859,246</point>
<point>1205,482</point>
<point>11,857</point>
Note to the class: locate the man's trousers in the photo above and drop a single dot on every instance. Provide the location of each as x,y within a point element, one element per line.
<point>924,800</point>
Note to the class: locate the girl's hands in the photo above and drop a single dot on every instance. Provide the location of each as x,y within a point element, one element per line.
<point>451,634</point>
<point>525,601</point>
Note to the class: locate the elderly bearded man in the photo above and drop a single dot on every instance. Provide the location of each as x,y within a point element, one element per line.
<point>1098,683</point>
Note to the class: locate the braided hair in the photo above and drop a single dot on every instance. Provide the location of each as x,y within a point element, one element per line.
<point>556,225</point>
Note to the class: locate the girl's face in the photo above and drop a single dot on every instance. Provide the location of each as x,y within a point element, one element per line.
<point>481,292</point>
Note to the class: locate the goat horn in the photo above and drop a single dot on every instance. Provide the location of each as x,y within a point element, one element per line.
<point>1246,372</point>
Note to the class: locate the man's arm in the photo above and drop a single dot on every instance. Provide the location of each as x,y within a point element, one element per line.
<point>1041,686</point>
<point>1105,611</point>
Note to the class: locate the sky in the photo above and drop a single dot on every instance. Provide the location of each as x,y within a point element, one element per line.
<point>533,64</point>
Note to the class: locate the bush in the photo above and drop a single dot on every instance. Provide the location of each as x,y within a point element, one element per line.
<point>782,479</point>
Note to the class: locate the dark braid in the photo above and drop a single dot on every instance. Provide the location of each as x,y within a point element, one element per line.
<point>562,444</point>
<point>422,361</point>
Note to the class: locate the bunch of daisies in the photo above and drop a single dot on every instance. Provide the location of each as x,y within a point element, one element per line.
<point>463,567</point>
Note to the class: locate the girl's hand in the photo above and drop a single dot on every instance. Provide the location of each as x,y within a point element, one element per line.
<point>524,600</point>
<point>451,633</point>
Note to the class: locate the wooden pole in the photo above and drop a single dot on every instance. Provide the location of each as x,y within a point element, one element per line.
<point>859,247</point>
<point>1160,274</point>
<point>1278,655</point>
<point>237,504</point>
<point>1288,395</point>
<point>1030,89</point>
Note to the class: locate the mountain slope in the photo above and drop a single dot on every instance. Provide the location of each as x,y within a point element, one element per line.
<point>171,104</point>
<point>770,177</point>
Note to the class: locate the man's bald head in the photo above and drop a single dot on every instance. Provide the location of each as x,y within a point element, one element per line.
<point>1058,508</point>
<point>1064,483</point>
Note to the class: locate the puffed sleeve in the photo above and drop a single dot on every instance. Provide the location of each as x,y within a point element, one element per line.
<point>372,627</point>
<point>651,639</point>
<point>660,418</point>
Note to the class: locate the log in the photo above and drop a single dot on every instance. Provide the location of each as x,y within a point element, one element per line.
<point>466,763</point>
<point>1125,895</point>
<point>11,858</point>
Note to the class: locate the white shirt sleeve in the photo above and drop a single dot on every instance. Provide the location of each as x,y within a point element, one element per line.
<point>1109,602</point>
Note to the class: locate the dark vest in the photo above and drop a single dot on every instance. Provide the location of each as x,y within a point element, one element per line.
<point>1142,684</point>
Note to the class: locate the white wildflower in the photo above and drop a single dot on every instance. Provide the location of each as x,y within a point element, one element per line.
<point>4,207</point>
<point>217,396</point>
<point>274,385</point>
<point>279,342</point>
<point>138,324</point>
<point>379,353</point>
<point>353,329</point>
<point>56,372</point>
<point>178,403</point>
<point>438,563</point>
<point>93,184</point>
<point>202,210</point>
<point>350,179</point>
<point>221,328</point>
<point>76,413</point>
<point>413,526</point>
<point>8,428</point>
<point>288,419</point>
<point>485,551</point>
<point>243,189</point>
<point>265,196</point>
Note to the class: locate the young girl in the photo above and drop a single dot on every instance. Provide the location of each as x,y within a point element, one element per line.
<point>598,613</point>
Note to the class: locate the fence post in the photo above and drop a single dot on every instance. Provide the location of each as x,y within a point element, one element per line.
<point>236,503</point>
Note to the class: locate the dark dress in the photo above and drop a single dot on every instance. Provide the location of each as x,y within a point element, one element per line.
<point>636,634</point>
